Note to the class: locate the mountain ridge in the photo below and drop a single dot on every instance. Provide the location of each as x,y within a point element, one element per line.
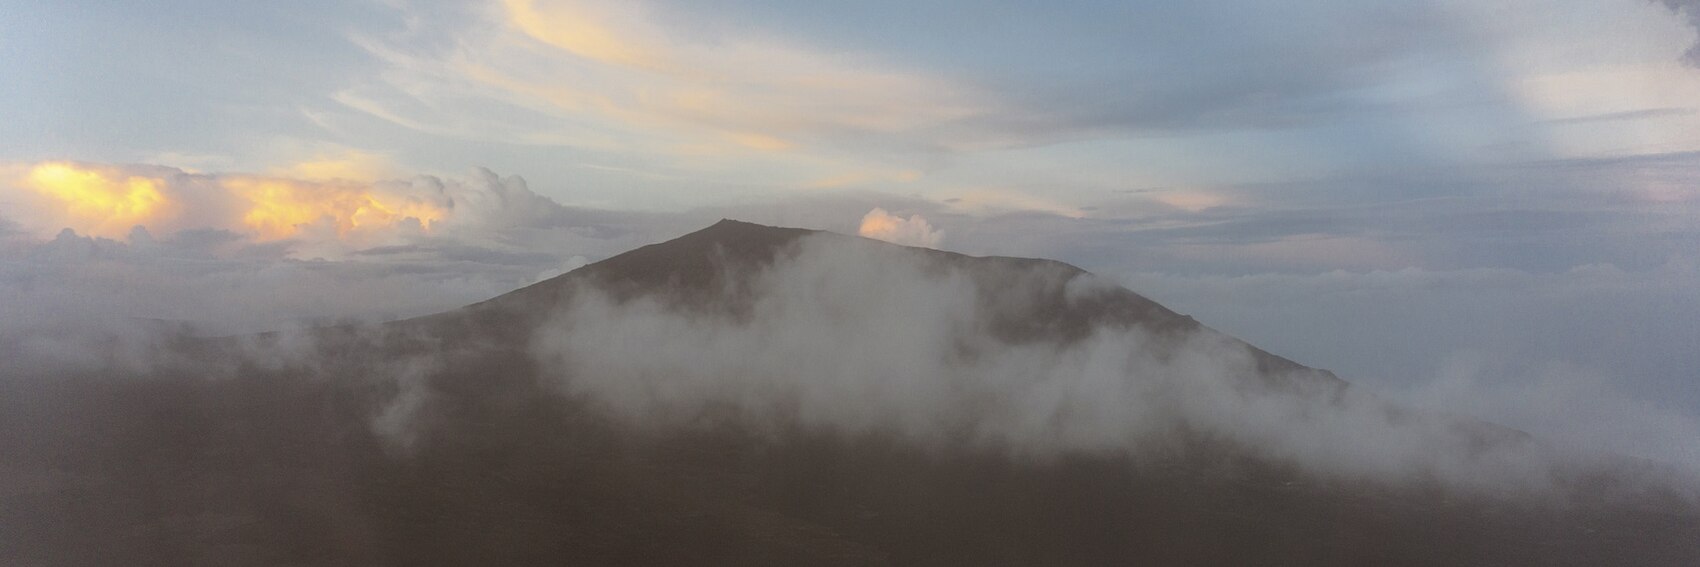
<point>697,263</point>
<point>495,433</point>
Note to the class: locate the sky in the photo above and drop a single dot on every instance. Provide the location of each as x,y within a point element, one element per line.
<point>1436,198</point>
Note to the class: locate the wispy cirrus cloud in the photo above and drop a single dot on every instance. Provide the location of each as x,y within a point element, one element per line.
<point>608,77</point>
<point>765,104</point>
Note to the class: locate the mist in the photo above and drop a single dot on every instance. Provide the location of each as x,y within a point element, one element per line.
<point>852,337</point>
<point>595,400</point>
<point>876,339</point>
<point>1318,283</point>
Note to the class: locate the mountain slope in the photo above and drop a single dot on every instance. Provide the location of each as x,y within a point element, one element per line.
<point>699,267</point>
<point>753,395</point>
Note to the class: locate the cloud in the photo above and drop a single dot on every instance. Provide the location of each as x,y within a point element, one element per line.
<point>1564,402</point>
<point>856,338</point>
<point>100,201</point>
<point>834,345</point>
<point>912,231</point>
<point>108,200</point>
<point>1690,11</point>
<point>1643,114</point>
<point>688,91</point>
<point>334,202</point>
<point>762,93</point>
<point>596,30</point>
<point>765,96</point>
<point>347,165</point>
<point>1539,350</point>
<point>985,201</point>
<point>862,339</point>
<point>236,252</point>
<point>620,79</point>
<point>224,282</point>
<point>1495,265</point>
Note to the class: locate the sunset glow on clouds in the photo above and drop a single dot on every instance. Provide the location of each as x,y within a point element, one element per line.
<point>760,93</point>
<point>110,200</point>
<point>96,201</point>
<point>912,231</point>
<point>336,217</point>
<point>354,146</point>
<point>610,77</point>
<point>623,100</point>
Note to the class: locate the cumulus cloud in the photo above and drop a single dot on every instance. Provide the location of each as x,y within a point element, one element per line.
<point>109,200</point>
<point>913,231</point>
<point>1387,327</point>
<point>238,251</point>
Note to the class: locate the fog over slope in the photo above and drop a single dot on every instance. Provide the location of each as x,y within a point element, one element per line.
<point>752,394</point>
<point>1035,358</point>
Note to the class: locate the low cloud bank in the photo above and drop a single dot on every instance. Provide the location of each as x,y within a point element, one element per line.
<point>871,339</point>
<point>840,335</point>
<point>1594,357</point>
<point>232,252</point>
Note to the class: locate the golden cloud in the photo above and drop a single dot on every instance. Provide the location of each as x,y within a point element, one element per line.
<point>99,201</point>
<point>279,208</point>
<point>913,231</point>
<point>587,30</point>
<point>109,201</point>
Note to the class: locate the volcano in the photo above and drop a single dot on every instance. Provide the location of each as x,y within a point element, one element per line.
<point>751,395</point>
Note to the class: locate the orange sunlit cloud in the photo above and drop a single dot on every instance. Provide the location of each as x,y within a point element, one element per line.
<point>279,208</point>
<point>594,30</point>
<point>912,231</point>
<point>99,201</point>
<point>108,201</point>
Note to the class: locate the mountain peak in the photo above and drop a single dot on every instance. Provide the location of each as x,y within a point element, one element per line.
<point>731,223</point>
<point>733,228</point>
<point>1030,299</point>
<point>877,404</point>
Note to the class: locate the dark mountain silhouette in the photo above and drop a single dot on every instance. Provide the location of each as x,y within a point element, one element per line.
<point>278,449</point>
<point>697,267</point>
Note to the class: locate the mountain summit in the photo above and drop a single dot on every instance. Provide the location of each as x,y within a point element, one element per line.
<point>1032,298</point>
<point>754,395</point>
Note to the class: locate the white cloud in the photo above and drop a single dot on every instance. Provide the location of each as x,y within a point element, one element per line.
<point>1593,356</point>
<point>864,339</point>
<point>913,231</point>
<point>1564,403</point>
<point>237,252</point>
<point>334,207</point>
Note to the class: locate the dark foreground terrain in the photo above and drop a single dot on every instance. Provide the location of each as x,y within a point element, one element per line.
<point>224,452</point>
